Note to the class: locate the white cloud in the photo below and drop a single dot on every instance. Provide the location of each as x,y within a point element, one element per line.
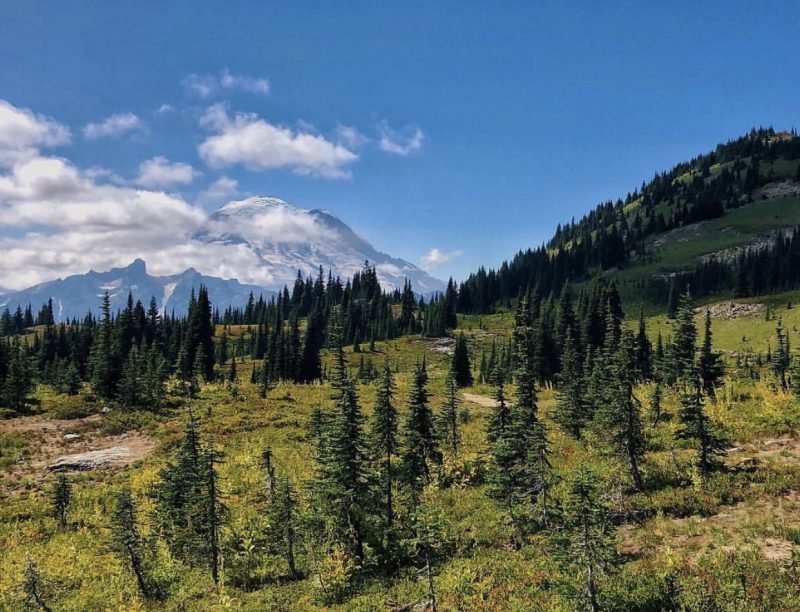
<point>248,140</point>
<point>207,85</point>
<point>115,125</point>
<point>436,257</point>
<point>23,133</point>
<point>218,192</point>
<point>350,137</point>
<point>159,172</point>
<point>164,109</point>
<point>399,142</point>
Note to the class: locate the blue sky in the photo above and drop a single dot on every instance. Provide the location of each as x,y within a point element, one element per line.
<point>457,126</point>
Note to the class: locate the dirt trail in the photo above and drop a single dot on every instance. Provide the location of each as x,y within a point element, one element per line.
<point>481,400</point>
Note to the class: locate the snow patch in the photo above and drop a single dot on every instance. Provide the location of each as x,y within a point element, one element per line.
<point>169,289</point>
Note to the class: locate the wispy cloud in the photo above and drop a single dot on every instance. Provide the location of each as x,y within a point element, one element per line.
<point>436,257</point>
<point>159,172</point>
<point>218,192</point>
<point>112,126</point>
<point>350,137</point>
<point>207,85</point>
<point>251,141</point>
<point>402,142</point>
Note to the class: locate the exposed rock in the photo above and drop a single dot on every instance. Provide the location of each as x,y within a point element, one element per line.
<point>71,437</point>
<point>444,345</point>
<point>732,310</point>
<point>91,460</point>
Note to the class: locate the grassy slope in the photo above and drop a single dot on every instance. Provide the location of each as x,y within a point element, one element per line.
<point>483,572</point>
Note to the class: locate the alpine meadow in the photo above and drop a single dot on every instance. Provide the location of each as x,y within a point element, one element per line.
<point>212,398</point>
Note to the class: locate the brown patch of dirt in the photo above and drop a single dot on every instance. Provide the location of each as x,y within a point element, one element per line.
<point>772,448</point>
<point>48,444</point>
<point>480,400</point>
<point>735,522</point>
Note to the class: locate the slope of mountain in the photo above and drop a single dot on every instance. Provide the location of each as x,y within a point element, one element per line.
<point>286,239</point>
<point>76,295</point>
<point>721,222</point>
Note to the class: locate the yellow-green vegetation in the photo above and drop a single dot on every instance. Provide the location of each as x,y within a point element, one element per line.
<point>731,538</point>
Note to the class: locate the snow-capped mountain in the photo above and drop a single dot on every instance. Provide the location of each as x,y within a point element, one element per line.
<point>76,295</point>
<point>273,239</point>
<point>287,238</point>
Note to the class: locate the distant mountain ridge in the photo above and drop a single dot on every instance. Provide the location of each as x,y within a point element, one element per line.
<point>282,238</point>
<point>76,295</point>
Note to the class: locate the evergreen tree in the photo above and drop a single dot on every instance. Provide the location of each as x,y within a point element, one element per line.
<point>18,379</point>
<point>232,371</point>
<point>449,415</point>
<point>460,364</point>
<point>697,427</point>
<point>795,380</point>
<point>420,450</point>
<point>781,358</point>
<point>709,362</point>
<point>129,544</point>
<point>644,350</point>
<point>283,534</point>
<point>384,439</point>
<point>655,404</point>
<point>572,412</point>
<point>619,414</point>
<point>103,359</point>
<point>500,416</point>
<point>60,499</point>
<point>684,344</point>
<point>180,499</point>
<point>591,532</point>
<point>341,483</point>
<point>213,510</point>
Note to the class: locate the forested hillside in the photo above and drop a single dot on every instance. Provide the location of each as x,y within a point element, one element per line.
<point>692,224</point>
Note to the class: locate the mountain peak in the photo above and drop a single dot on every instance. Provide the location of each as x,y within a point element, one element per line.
<point>255,204</point>
<point>288,239</point>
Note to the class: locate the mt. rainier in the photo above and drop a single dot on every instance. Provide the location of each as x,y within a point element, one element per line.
<point>286,239</point>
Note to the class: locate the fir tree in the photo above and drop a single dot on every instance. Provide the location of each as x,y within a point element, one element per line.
<point>18,379</point>
<point>684,344</point>
<point>571,412</point>
<point>420,445</point>
<point>697,427</point>
<point>591,532</point>
<point>341,484</point>
<point>644,350</point>
<point>384,438</point>
<point>500,416</point>
<point>781,358</point>
<point>655,404</point>
<point>619,414</point>
<point>795,379</point>
<point>213,511</point>
<point>449,415</point>
<point>180,497</point>
<point>60,499</point>
<point>709,362</point>
<point>460,364</point>
<point>283,534</point>
<point>103,359</point>
<point>129,544</point>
